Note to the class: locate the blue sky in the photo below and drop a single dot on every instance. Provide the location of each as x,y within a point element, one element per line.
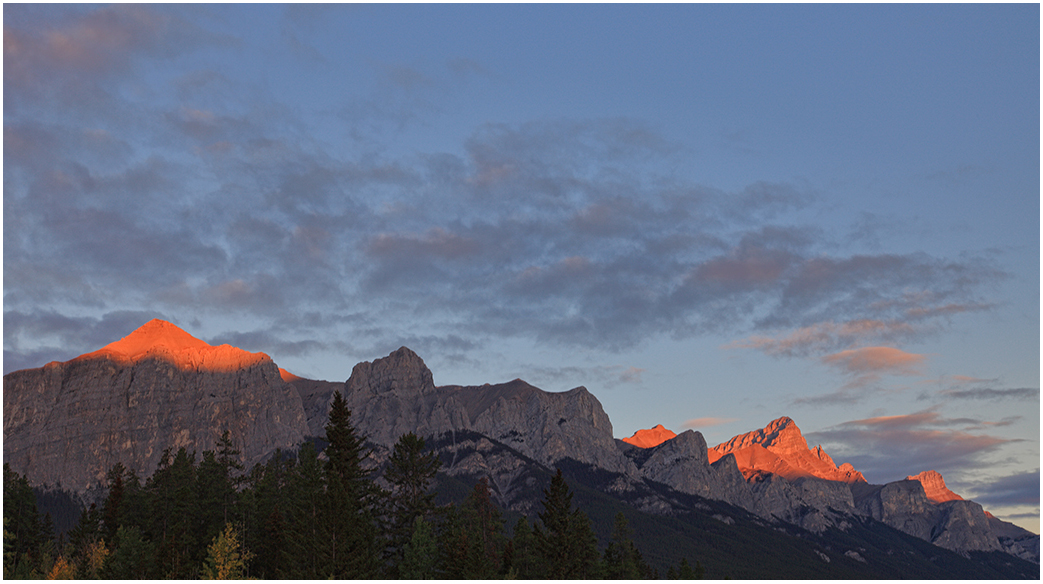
<point>710,216</point>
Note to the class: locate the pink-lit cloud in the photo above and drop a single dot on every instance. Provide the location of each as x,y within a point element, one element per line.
<point>876,361</point>
<point>826,336</point>
<point>887,448</point>
<point>697,423</point>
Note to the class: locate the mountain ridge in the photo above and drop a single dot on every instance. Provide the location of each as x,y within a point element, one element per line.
<point>136,381</point>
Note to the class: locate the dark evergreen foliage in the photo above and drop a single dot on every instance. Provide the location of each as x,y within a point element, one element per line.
<point>410,472</point>
<point>565,542</point>
<point>302,516</point>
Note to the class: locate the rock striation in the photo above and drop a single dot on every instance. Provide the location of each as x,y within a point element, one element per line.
<point>66,424</point>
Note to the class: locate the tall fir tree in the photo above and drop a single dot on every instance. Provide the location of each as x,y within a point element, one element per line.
<point>354,549</point>
<point>308,521</point>
<point>420,554</point>
<point>622,559</point>
<point>566,543</point>
<point>26,529</point>
<point>410,473</point>
<point>111,510</point>
<point>171,492</point>
<point>525,562</point>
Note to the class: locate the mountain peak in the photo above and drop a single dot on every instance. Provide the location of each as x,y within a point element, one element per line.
<point>934,486</point>
<point>651,437</point>
<point>781,448</point>
<point>154,334</point>
<point>162,340</point>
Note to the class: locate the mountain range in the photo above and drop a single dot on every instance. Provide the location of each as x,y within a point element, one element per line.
<point>67,423</point>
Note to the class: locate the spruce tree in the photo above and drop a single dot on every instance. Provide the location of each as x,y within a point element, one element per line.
<point>132,557</point>
<point>410,473</point>
<point>171,492</point>
<point>111,511</point>
<point>353,546</point>
<point>524,562</point>
<point>420,555</point>
<point>622,560</point>
<point>27,530</point>
<point>308,519</point>
<point>566,543</point>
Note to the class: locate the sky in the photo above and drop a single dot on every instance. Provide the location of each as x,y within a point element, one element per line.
<point>710,216</point>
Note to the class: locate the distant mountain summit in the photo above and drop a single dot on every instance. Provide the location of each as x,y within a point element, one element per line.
<point>67,423</point>
<point>934,486</point>
<point>780,448</point>
<point>651,437</point>
<point>159,339</point>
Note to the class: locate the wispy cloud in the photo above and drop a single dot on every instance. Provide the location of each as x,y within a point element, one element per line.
<point>887,448</point>
<point>1009,491</point>
<point>1020,393</point>
<point>571,232</point>
<point>876,361</point>
<point>697,423</point>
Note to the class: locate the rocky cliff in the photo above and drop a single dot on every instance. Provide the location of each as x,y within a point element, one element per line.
<point>934,487</point>
<point>68,423</point>
<point>780,448</point>
<point>394,395</point>
<point>956,525</point>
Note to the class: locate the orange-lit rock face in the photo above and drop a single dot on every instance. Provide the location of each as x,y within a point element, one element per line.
<point>159,339</point>
<point>781,449</point>
<point>651,437</point>
<point>287,376</point>
<point>934,487</point>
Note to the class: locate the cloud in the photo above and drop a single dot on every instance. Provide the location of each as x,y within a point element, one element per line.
<point>827,336</point>
<point>1020,393</point>
<point>697,423</point>
<point>876,360</point>
<point>567,232</point>
<point>887,448</point>
<point>1008,491</point>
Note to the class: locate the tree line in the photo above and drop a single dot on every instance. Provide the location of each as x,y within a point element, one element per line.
<point>302,517</point>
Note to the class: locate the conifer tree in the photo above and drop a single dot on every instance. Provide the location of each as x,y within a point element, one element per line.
<point>172,496</point>
<point>132,556</point>
<point>111,511</point>
<point>623,561</point>
<point>410,473</point>
<point>353,546</point>
<point>566,543</point>
<point>420,555</point>
<point>309,523</point>
<point>524,561</point>
<point>482,522</point>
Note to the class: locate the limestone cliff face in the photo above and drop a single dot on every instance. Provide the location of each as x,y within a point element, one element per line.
<point>812,503</point>
<point>395,395</point>
<point>934,486</point>
<point>682,463</point>
<point>68,423</point>
<point>780,448</point>
<point>954,525</point>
